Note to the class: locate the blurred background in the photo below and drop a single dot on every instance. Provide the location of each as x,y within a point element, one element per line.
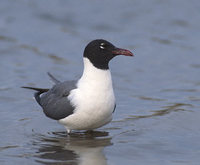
<point>157,119</point>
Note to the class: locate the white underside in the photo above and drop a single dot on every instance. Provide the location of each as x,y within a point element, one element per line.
<point>93,98</point>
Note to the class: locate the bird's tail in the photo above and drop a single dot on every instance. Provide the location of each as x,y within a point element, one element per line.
<point>38,93</point>
<point>42,90</point>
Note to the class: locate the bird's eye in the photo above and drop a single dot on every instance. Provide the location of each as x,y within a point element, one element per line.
<point>102,45</point>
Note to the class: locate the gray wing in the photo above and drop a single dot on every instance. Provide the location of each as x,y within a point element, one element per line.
<point>55,103</point>
<point>56,81</point>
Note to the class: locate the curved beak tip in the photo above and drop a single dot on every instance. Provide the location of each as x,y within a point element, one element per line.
<point>125,52</point>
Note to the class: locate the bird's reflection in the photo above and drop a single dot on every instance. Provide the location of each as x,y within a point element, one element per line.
<point>77,149</point>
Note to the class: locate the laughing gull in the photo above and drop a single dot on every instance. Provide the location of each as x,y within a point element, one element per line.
<point>88,103</point>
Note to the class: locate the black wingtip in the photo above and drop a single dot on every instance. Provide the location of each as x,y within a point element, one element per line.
<point>42,90</point>
<point>56,81</point>
<point>38,93</point>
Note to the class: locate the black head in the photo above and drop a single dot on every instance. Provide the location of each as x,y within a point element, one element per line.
<point>100,52</point>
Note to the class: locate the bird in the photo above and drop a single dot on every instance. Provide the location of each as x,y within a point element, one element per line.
<point>89,102</point>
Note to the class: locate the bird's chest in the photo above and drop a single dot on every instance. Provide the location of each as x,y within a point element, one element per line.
<point>93,99</point>
<point>93,109</point>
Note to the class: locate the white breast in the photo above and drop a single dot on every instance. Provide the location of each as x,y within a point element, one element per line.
<point>94,99</point>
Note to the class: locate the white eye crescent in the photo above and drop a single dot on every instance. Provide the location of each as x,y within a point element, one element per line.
<point>102,45</point>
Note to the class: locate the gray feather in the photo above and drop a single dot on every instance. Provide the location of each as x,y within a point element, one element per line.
<point>55,103</point>
<point>56,81</point>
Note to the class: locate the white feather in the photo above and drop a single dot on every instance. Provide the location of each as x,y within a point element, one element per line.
<point>93,98</point>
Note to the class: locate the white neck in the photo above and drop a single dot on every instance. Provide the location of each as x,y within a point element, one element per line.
<point>93,75</point>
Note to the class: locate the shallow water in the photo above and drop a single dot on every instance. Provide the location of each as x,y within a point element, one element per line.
<point>157,119</point>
